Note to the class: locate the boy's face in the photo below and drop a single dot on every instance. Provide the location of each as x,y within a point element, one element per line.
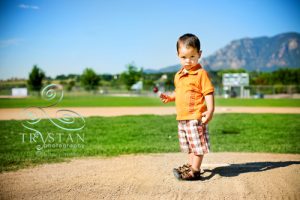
<point>188,56</point>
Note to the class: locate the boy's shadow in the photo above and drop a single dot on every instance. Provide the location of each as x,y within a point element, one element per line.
<point>237,169</point>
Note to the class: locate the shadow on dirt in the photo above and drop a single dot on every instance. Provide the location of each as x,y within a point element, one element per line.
<point>237,169</point>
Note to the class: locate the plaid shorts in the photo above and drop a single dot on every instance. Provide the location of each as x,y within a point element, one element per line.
<point>193,137</point>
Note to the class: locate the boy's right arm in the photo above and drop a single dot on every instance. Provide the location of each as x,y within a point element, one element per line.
<point>210,103</point>
<point>167,98</point>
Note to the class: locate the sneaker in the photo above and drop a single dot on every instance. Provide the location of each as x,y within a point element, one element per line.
<point>190,175</point>
<point>184,168</point>
<point>178,171</point>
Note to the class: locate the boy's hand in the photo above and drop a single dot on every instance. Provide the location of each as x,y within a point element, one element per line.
<point>166,98</point>
<point>206,117</point>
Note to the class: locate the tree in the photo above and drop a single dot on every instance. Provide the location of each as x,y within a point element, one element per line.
<point>107,77</point>
<point>89,79</point>
<point>61,77</point>
<point>70,85</point>
<point>279,77</point>
<point>35,80</point>
<point>131,76</point>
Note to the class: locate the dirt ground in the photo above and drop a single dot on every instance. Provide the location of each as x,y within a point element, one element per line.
<point>17,114</point>
<point>226,176</point>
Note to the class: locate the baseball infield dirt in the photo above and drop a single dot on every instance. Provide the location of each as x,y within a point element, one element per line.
<point>17,114</point>
<point>226,176</point>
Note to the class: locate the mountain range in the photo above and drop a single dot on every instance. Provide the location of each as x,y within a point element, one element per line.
<point>260,54</point>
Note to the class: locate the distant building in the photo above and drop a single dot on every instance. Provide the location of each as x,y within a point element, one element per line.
<point>19,92</point>
<point>138,86</point>
<point>234,85</point>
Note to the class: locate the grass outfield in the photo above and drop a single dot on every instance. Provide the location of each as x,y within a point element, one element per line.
<point>111,136</point>
<point>108,101</point>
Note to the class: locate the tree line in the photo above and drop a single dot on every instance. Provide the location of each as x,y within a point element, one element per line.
<point>91,81</point>
<point>282,76</point>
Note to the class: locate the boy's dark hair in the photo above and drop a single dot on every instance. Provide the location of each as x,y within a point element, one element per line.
<point>189,40</point>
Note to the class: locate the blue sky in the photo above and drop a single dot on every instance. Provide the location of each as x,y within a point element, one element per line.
<point>67,36</point>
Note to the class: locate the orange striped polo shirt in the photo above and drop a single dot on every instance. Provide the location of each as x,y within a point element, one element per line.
<point>190,88</point>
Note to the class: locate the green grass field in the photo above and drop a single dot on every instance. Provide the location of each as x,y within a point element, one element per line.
<point>108,101</point>
<point>111,136</point>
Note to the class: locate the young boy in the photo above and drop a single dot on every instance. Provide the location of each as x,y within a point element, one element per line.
<point>194,101</point>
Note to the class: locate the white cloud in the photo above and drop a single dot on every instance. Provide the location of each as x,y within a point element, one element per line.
<point>24,6</point>
<point>9,42</point>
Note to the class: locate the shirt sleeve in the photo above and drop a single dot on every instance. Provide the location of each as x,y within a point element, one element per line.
<point>206,85</point>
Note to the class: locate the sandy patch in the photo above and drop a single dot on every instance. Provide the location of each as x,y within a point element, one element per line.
<point>16,113</point>
<point>227,176</point>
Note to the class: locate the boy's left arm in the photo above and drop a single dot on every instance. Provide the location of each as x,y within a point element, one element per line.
<point>210,104</point>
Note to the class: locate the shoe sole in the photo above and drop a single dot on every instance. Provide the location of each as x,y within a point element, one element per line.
<point>177,174</point>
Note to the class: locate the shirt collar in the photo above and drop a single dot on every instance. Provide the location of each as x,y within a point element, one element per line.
<point>193,70</point>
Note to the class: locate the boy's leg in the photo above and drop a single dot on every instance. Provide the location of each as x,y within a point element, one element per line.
<point>199,145</point>
<point>199,139</point>
<point>184,146</point>
<point>197,161</point>
<point>190,158</point>
<point>194,172</point>
<point>195,137</point>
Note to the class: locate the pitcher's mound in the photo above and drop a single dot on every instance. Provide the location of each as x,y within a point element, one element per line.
<point>226,176</point>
